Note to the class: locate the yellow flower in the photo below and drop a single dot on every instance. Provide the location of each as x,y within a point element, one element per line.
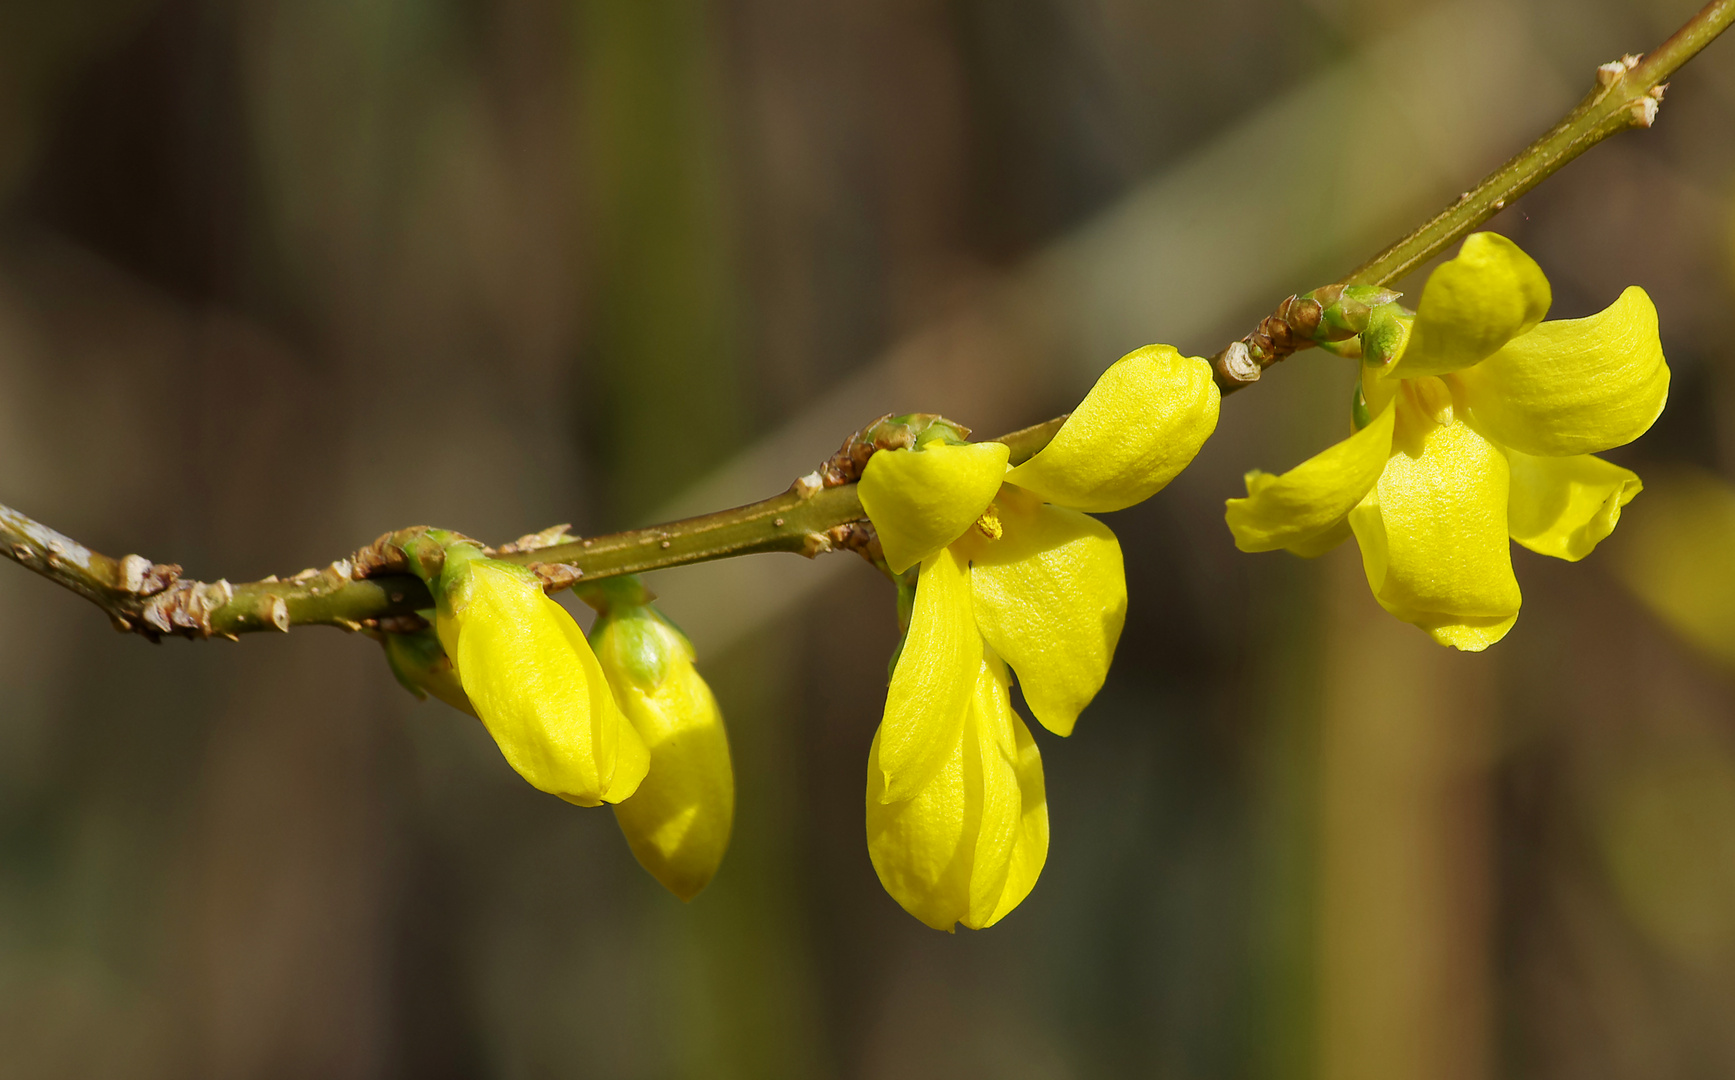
<point>678,821</point>
<point>1011,573</point>
<point>529,673</point>
<point>1480,424</point>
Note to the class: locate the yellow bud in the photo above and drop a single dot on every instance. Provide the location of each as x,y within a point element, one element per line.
<point>678,821</point>
<point>528,671</point>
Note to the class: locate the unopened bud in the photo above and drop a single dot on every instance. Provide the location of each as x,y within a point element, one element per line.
<point>678,822</point>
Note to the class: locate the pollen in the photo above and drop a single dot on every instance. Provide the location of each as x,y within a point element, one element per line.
<point>989,523</point>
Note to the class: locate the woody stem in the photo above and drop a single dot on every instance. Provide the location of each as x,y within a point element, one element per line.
<point>810,517</point>
<point>1627,94</point>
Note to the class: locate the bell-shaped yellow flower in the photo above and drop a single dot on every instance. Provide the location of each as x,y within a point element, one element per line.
<point>1479,427</point>
<point>678,820</point>
<point>530,675</point>
<point>1011,571</point>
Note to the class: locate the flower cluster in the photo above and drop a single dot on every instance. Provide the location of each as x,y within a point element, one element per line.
<point>1474,424</point>
<point>1477,423</point>
<point>622,718</point>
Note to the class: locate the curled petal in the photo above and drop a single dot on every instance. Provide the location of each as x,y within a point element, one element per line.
<point>678,821</point>
<point>921,500</point>
<point>1574,386</point>
<point>1565,506</point>
<point>1473,304</point>
<point>1433,538</point>
<point>1139,426</point>
<point>1309,502</point>
<point>969,845</point>
<point>1675,556</point>
<point>528,671</point>
<point>1050,598</point>
<point>931,685</point>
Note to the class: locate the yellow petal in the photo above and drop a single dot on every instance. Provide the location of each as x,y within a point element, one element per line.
<point>1564,506</point>
<point>968,846</point>
<point>1137,428</point>
<point>1311,500</point>
<point>1030,851</point>
<point>1574,386</point>
<point>1676,556</point>
<point>1473,304</point>
<point>678,821</point>
<point>531,677</point>
<point>1433,533</point>
<point>921,500</point>
<point>1050,598</point>
<point>932,683</point>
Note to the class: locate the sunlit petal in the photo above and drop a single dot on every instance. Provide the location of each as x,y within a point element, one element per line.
<point>1490,293</point>
<point>1564,506</point>
<point>1433,535</point>
<point>1311,500</point>
<point>921,500</point>
<point>1574,386</point>
<point>526,668</point>
<point>1050,598</point>
<point>932,683</point>
<point>1139,426</point>
<point>968,846</point>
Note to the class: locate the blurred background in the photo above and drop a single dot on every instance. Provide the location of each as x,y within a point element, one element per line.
<point>279,275</point>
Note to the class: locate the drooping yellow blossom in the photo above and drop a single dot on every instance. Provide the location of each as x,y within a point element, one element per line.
<point>530,675</point>
<point>1479,425</point>
<point>1011,574</point>
<point>678,821</point>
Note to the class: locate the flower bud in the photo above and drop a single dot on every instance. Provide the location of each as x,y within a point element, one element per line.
<point>678,821</point>
<point>530,675</point>
<point>422,667</point>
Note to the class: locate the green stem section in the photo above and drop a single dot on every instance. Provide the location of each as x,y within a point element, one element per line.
<point>1622,99</point>
<point>809,519</point>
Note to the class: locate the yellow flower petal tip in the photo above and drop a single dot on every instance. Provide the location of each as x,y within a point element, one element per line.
<point>1565,506</point>
<point>968,846</point>
<point>1576,386</point>
<point>526,668</point>
<point>1140,425</point>
<point>679,819</point>
<point>922,499</point>
<point>1474,303</point>
<point>1313,499</point>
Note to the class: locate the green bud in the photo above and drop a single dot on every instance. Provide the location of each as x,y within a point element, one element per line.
<point>420,663</point>
<point>1388,331</point>
<point>1344,309</point>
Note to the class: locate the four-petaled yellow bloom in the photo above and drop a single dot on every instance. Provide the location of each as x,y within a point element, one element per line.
<point>530,675</point>
<point>1012,573</point>
<point>1480,424</point>
<point>678,820</point>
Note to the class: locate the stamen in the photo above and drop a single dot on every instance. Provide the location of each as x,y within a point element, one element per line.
<point>989,523</point>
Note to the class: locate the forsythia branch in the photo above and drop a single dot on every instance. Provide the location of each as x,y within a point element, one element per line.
<point>1627,94</point>
<point>820,512</point>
